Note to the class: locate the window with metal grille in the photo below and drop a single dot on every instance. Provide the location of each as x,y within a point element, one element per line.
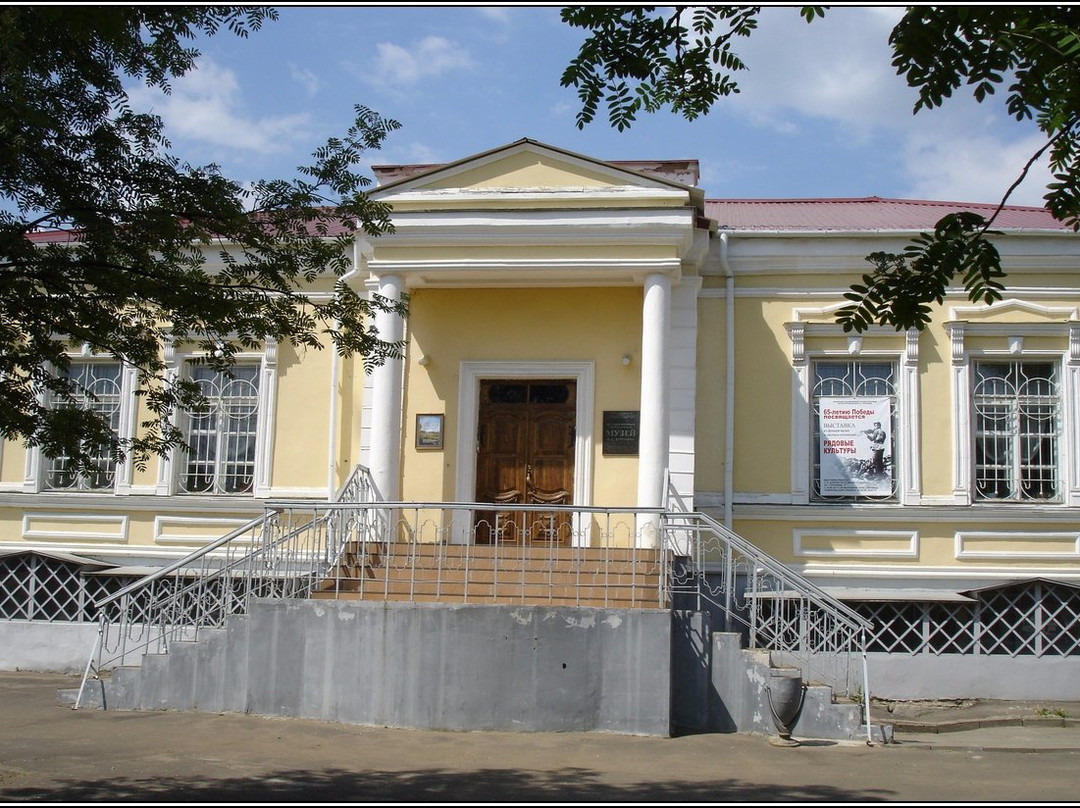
<point>222,435</point>
<point>869,472</point>
<point>98,389</point>
<point>1016,424</point>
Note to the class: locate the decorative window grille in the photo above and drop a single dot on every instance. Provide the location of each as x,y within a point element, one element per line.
<point>1016,427</point>
<point>39,588</point>
<point>898,627</point>
<point>222,435</point>
<point>49,590</point>
<point>98,389</point>
<point>1033,618</point>
<point>858,379</point>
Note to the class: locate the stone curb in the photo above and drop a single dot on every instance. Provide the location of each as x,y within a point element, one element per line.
<point>967,724</point>
<point>974,747</point>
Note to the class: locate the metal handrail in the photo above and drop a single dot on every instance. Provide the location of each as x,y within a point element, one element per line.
<point>358,483</point>
<point>315,535</point>
<point>852,629</point>
<point>763,560</point>
<point>186,561</point>
<point>412,504</point>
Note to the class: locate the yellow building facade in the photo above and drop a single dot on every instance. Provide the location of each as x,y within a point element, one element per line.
<point>658,347</point>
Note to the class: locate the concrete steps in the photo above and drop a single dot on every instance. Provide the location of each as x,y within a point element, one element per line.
<point>478,574</point>
<point>422,666</point>
<point>740,678</point>
<point>473,667</point>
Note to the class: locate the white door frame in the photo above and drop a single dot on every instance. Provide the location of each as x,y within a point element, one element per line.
<point>583,374</point>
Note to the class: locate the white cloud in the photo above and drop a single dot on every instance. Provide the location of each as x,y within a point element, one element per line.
<point>838,71</point>
<point>410,153</point>
<point>306,79</point>
<point>500,23</point>
<point>837,68</point>
<point>977,168</point>
<point>430,57</point>
<point>500,15</point>
<point>205,106</point>
<point>564,109</point>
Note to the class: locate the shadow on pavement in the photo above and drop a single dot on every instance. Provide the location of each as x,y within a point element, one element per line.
<point>487,785</point>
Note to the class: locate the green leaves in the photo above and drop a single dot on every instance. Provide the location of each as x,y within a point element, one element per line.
<point>134,273</point>
<point>641,59</point>
<point>899,291</point>
<point>637,59</point>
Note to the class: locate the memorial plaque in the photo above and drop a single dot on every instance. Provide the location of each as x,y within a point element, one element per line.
<point>621,428</point>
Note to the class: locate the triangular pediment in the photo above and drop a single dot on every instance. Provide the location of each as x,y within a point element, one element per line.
<point>1013,310</point>
<point>529,167</point>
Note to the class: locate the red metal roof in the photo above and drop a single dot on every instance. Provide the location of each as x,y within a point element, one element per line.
<point>52,236</point>
<point>334,228</point>
<point>795,215</point>
<point>870,214</point>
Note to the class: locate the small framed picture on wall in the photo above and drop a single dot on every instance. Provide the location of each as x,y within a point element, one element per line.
<point>429,431</point>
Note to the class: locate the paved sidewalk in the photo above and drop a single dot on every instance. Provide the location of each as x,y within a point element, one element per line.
<point>48,752</point>
<point>980,724</point>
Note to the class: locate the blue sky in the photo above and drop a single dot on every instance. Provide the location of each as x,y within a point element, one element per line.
<point>821,112</point>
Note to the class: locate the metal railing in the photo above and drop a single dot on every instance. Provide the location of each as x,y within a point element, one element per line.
<point>475,553</point>
<point>282,553</point>
<point>775,608</point>
<point>488,553</point>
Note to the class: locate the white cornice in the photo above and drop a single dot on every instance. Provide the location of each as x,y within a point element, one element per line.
<point>835,252</point>
<point>106,503</point>
<point>855,263</point>
<point>887,233</point>
<point>446,197</point>
<point>640,225</point>
<point>527,272</point>
<point>788,293</point>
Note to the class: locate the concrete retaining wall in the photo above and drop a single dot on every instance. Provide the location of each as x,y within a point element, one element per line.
<point>46,647</point>
<point>956,676</point>
<point>430,666</point>
<point>948,676</point>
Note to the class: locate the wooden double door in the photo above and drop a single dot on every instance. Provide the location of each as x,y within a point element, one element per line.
<point>525,454</point>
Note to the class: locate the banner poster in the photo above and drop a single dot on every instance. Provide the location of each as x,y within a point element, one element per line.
<point>855,446</point>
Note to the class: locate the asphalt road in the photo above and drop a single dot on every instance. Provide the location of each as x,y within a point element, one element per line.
<point>48,752</point>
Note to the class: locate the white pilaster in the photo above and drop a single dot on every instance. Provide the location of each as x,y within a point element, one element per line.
<point>910,419</point>
<point>386,398</point>
<point>961,393</point>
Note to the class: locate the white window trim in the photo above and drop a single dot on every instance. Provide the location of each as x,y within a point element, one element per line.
<point>36,462</point>
<point>909,488</point>
<point>168,468</point>
<point>1013,336</point>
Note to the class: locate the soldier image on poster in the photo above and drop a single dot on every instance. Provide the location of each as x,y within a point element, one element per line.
<point>876,436</point>
<point>854,446</point>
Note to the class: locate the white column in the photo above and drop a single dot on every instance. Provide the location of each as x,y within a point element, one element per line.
<point>386,399</point>
<point>653,438</point>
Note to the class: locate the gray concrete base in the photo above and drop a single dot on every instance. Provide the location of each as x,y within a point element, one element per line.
<point>46,647</point>
<point>437,666</point>
<point>946,676</point>
<point>960,676</point>
<point>430,666</point>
